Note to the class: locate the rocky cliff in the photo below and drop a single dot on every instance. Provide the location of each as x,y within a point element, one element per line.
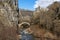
<point>8,19</point>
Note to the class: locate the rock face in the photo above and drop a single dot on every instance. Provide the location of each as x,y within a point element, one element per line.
<point>55,16</point>
<point>8,19</point>
<point>9,9</point>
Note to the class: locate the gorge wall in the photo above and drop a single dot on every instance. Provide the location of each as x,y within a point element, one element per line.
<point>8,19</point>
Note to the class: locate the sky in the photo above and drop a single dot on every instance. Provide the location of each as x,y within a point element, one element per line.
<point>26,4</point>
<point>32,4</point>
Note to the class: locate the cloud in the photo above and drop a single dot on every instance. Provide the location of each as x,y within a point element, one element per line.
<point>43,3</point>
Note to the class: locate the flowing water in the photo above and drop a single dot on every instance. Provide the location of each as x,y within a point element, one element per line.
<point>25,35</point>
